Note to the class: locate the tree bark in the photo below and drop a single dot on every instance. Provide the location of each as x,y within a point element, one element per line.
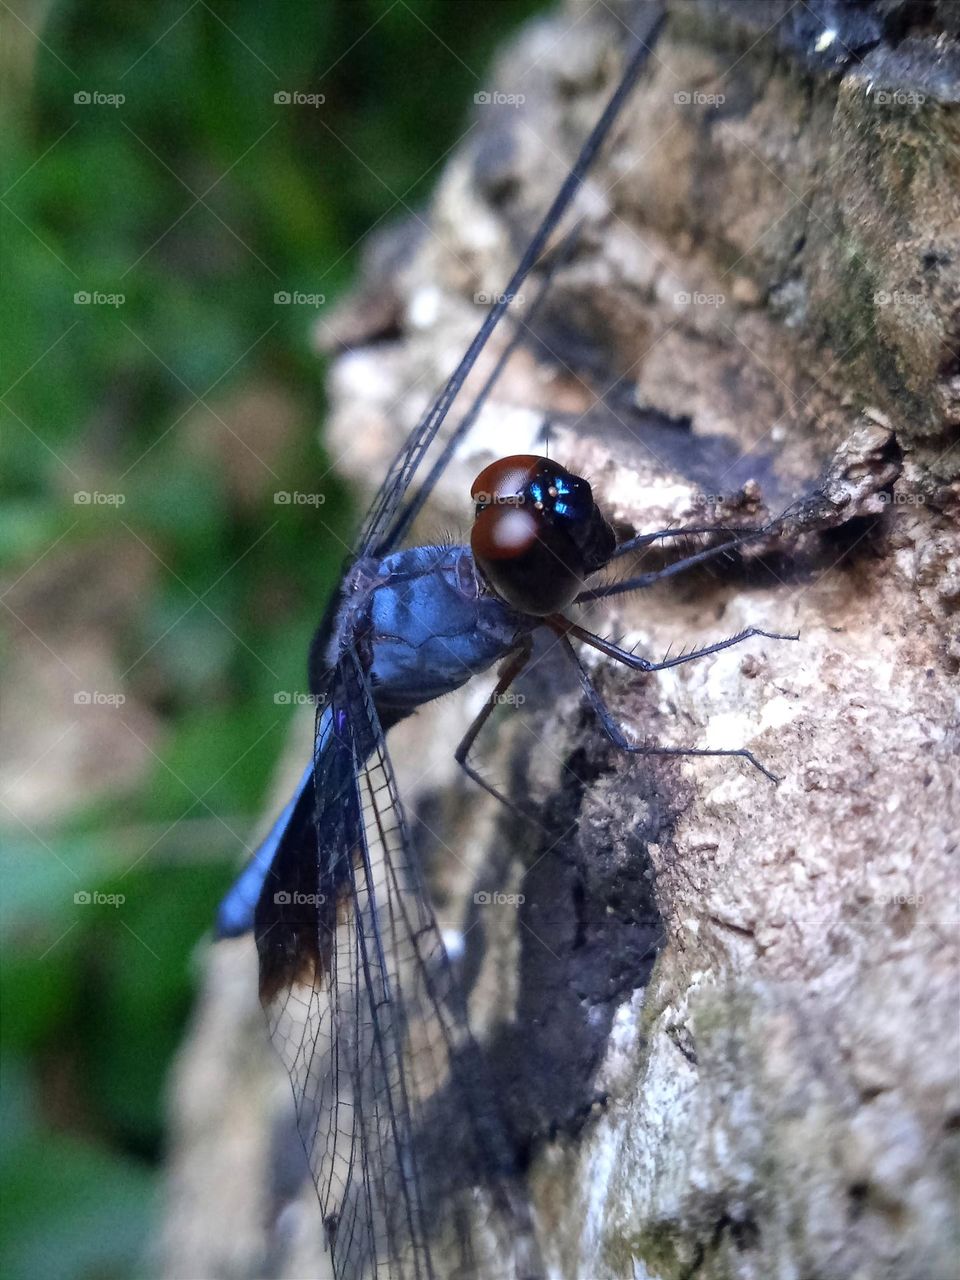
<point>762,309</point>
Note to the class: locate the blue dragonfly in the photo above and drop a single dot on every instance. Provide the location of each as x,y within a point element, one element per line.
<point>362,1000</point>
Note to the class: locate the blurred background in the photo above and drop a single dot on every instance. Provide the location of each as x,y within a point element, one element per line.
<point>169,179</point>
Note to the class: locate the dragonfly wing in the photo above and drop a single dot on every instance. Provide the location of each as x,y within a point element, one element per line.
<point>363,1007</point>
<point>379,532</point>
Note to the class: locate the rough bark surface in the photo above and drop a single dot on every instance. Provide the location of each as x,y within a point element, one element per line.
<point>726,1014</point>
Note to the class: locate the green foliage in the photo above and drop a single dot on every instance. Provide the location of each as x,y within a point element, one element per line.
<point>197,199</point>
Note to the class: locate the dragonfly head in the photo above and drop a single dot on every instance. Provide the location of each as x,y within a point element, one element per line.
<point>537,533</point>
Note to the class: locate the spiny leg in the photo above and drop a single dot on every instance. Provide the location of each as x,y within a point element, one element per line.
<point>621,742</point>
<point>641,540</point>
<point>508,672</point>
<point>642,580</point>
<point>565,628</point>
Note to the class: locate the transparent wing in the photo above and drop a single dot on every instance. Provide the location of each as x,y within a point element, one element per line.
<point>378,535</point>
<point>411,1164</point>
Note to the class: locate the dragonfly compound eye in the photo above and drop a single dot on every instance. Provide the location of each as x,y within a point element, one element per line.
<point>537,532</point>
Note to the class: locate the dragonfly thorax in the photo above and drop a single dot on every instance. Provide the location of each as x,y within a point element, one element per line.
<point>423,625</point>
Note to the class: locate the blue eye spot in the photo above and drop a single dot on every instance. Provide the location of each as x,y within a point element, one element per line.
<point>565,497</point>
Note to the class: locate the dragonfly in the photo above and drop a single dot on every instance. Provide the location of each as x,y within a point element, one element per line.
<point>362,999</point>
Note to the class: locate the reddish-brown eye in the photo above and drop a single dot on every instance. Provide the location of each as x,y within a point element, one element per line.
<point>504,479</point>
<point>503,533</point>
<point>537,532</point>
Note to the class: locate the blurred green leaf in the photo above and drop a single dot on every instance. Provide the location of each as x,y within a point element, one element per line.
<point>70,1210</point>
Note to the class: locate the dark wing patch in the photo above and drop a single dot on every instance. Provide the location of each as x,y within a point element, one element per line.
<point>296,911</point>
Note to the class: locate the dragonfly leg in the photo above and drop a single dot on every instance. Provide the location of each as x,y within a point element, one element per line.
<point>641,580</point>
<point>509,671</point>
<point>622,743</point>
<point>565,628</point>
<point>645,539</point>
